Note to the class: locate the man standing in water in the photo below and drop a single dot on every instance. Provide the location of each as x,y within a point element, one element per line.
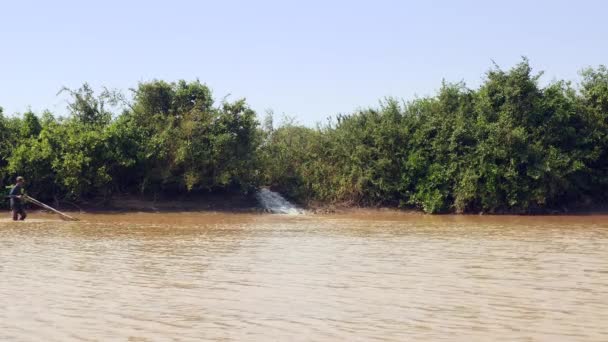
<point>16,196</point>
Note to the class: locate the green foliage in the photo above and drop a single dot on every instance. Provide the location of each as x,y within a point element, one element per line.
<point>188,144</point>
<point>509,146</point>
<point>87,108</point>
<point>171,139</point>
<point>30,126</point>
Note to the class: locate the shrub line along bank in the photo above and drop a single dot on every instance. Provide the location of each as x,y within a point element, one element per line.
<point>508,146</point>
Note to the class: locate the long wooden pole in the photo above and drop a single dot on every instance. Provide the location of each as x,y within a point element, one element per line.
<point>62,215</point>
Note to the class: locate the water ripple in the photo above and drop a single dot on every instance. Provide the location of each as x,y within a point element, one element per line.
<point>383,277</point>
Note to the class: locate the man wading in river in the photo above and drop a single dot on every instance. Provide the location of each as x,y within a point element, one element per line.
<point>16,195</point>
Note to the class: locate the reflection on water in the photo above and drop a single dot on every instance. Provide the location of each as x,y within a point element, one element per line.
<point>362,276</point>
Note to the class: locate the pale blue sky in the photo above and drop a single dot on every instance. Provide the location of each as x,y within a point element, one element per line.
<point>308,59</point>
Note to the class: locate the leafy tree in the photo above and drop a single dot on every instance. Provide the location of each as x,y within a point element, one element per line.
<point>30,125</point>
<point>510,145</point>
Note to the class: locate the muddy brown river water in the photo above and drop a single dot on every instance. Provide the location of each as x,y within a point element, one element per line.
<point>363,276</point>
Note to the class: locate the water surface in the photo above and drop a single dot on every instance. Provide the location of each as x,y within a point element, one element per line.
<point>364,276</point>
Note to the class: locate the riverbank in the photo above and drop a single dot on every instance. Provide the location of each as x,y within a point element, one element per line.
<point>240,203</point>
<point>222,202</point>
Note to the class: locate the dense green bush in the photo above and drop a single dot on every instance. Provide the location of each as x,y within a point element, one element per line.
<point>171,139</point>
<point>510,145</point>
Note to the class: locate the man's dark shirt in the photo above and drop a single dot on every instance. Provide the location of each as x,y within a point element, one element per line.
<point>17,190</point>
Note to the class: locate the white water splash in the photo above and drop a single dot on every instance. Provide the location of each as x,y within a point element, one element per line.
<point>276,204</point>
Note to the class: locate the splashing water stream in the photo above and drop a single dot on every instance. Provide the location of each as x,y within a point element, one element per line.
<point>275,203</point>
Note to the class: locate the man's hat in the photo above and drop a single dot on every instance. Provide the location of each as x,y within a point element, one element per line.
<point>20,179</point>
